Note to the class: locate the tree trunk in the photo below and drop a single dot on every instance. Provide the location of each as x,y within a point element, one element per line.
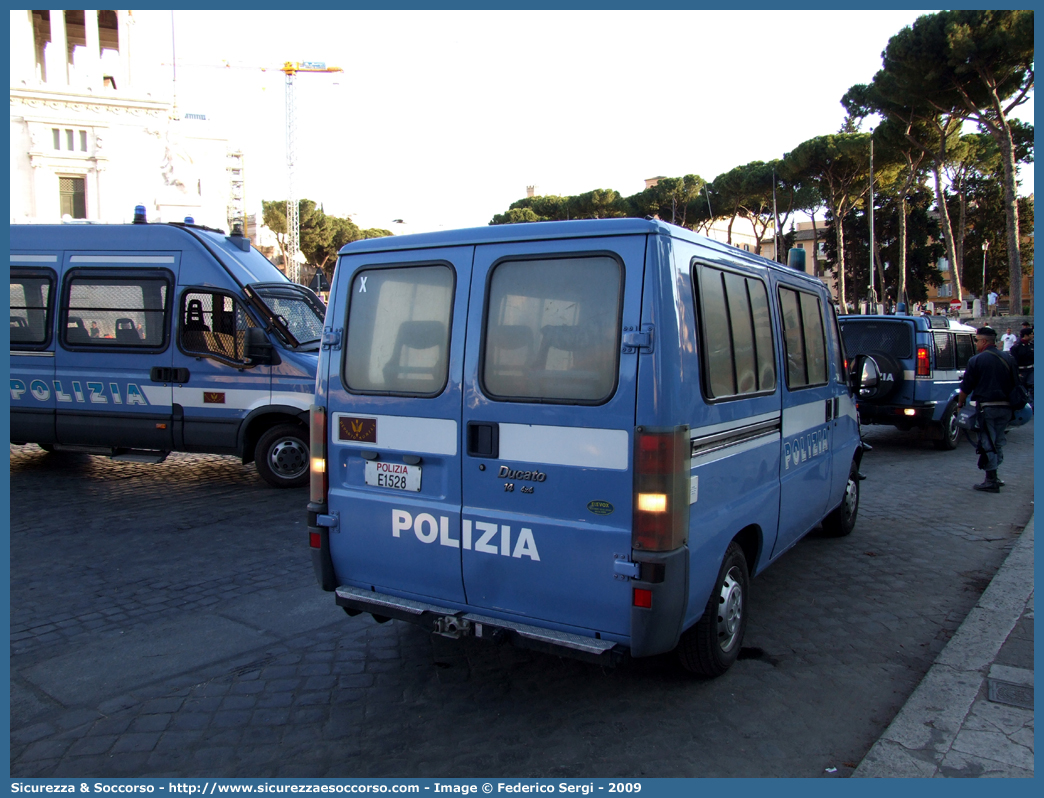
<point>947,230</point>
<point>815,247</point>
<point>962,195</point>
<point>900,293</point>
<point>839,233</point>
<point>1011,213</point>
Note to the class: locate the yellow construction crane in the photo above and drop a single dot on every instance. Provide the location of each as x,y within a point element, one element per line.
<point>293,213</point>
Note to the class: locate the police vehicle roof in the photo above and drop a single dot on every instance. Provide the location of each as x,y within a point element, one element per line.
<point>246,267</point>
<point>578,228</point>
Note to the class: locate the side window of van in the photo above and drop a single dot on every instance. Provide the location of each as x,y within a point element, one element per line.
<point>399,330</point>
<point>553,329</point>
<point>737,334</point>
<point>213,324</point>
<point>127,311</point>
<point>32,300</point>
<point>803,334</point>
<point>965,349</point>
<point>944,352</point>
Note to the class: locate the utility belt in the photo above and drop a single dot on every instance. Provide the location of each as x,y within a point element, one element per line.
<point>992,404</point>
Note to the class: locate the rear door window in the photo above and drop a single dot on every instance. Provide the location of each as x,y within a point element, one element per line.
<point>553,329</point>
<point>399,330</point>
<point>32,302</point>
<point>965,349</point>
<point>944,352</point>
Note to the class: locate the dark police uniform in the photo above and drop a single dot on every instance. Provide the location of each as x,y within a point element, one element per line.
<point>989,378</point>
<point>1023,354</point>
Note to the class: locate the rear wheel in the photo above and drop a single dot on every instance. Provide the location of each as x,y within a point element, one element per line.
<point>282,456</point>
<point>950,431</point>
<point>842,520</point>
<point>711,646</point>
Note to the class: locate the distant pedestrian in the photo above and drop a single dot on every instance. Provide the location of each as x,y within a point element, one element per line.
<point>1008,340</point>
<point>95,332</point>
<point>989,380</point>
<point>1023,354</point>
<point>991,302</point>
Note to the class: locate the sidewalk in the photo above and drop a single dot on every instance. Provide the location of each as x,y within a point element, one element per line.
<point>972,714</point>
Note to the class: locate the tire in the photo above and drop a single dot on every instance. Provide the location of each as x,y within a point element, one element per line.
<point>948,429</point>
<point>282,456</point>
<point>842,519</point>
<point>711,646</point>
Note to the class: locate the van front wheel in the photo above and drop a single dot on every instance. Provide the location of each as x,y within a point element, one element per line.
<point>282,456</point>
<point>711,646</point>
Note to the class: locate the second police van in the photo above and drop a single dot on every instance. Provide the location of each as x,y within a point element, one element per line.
<point>140,339</point>
<point>584,437</point>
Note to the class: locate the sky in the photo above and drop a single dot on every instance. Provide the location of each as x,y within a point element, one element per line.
<point>443,118</point>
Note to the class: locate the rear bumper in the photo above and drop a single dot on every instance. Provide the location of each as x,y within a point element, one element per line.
<point>456,624</point>
<point>920,415</point>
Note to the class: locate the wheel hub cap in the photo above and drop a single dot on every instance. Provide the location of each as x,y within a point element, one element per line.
<point>730,611</point>
<point>289,459</point>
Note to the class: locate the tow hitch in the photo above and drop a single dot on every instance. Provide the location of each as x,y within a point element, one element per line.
<point>452,626</point>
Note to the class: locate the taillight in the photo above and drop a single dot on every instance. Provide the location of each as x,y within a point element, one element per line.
<point>315,539</point>
<point>319,483</point>
<point>661,489</point>
<point>922,362</point>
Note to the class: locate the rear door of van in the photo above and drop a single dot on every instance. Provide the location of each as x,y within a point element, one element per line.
<point>394,398</point>
<point>549,409</point>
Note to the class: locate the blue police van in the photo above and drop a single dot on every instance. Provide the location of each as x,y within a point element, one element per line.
<point>920,361</point>
<point>584,437</point>
<point>136,340</point>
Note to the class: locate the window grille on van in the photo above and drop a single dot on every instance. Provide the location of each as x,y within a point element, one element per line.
<point>116,312</point>
<point>894,338</point>
<point>30,310</point>
<point>944,352</point>
<point>214,324</point>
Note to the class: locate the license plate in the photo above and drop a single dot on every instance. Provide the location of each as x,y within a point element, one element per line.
<point>396,476</point>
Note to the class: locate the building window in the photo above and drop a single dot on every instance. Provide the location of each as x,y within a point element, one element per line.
<point>946,290</point>
<point>69,141</point>
<point>73,197</point>
<point>83,141</point>
<point>57,134</point>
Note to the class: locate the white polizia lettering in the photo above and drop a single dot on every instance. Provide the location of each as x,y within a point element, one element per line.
<point>428,529</point>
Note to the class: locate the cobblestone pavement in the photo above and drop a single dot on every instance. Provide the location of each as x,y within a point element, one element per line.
<point>165,621</point>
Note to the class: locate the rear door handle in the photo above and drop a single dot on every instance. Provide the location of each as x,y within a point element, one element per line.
<point>484,439</point>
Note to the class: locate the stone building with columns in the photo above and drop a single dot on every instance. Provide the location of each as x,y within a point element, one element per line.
<point>95,127</point>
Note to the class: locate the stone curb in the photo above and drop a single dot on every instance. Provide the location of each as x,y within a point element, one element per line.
<point>923,732</point>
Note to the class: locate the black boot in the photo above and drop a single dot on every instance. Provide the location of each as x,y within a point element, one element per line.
<point>990,484</point>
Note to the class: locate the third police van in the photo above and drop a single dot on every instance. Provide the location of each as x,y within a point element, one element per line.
<point>140,339</point>
<point>584,437</point>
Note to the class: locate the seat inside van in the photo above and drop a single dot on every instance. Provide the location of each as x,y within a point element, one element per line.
<point>413,365</point>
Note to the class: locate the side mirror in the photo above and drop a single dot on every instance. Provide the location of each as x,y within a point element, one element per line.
<point>259,350</point>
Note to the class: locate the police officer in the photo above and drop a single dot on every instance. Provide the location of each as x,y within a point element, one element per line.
<point>990,378</point>
<point>1023,354</point>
